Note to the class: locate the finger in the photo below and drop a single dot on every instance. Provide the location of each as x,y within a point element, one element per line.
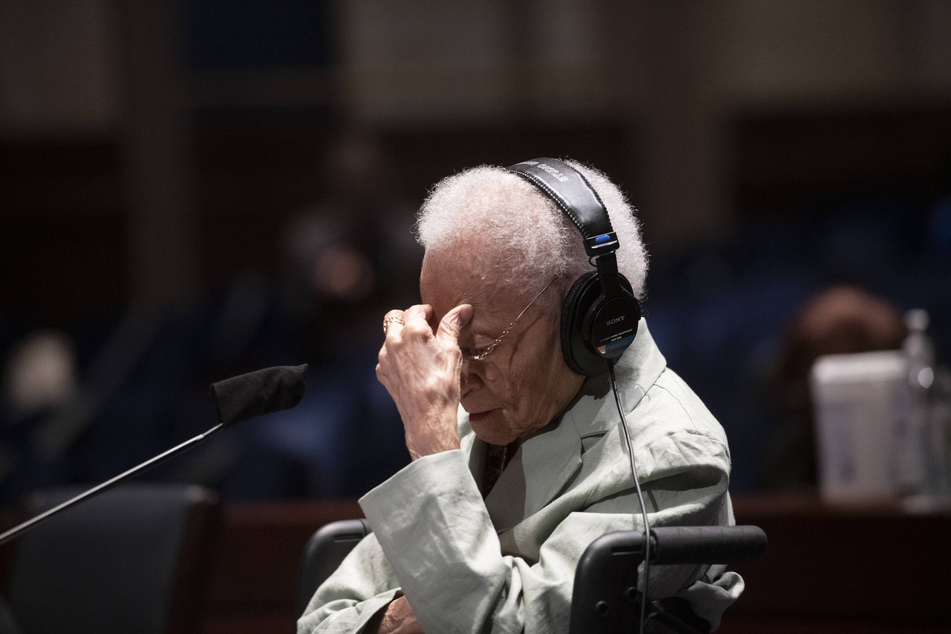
<point>381,377</point>
<point>394,318</point>
<point>453,322</point>
<point>382,367</point>
<point>394,315</point>
<point>418,311</point>
<point>417,318</point>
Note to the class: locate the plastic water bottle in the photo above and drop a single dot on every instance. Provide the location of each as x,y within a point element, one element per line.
<point>921,466</point>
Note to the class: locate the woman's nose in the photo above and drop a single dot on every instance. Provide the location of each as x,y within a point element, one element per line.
<point>469,377</point>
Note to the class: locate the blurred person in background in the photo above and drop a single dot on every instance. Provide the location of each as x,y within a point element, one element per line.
<point>39,377</point>
<point>839,320</point>
<point>345,258</point>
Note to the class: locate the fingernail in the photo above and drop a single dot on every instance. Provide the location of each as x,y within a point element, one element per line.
<point>464,314</point>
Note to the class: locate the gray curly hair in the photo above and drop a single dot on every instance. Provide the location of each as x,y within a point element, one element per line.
<point>533,240</point>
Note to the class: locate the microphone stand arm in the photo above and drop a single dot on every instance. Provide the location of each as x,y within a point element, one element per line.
<point>18,530</point>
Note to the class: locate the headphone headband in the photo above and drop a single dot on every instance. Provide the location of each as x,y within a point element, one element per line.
<point>573,194</point>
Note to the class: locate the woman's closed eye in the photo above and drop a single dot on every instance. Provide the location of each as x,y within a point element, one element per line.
<point>480,346</point>
<point>474,352</point>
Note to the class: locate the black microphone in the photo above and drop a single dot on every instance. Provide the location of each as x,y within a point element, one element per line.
<point>236,399</point>
<point>255,393</point>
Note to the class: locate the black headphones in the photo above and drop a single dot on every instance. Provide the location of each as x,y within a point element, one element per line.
<point>600,313</point>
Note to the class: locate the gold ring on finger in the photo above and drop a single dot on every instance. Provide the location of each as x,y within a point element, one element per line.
<point>391,320</point>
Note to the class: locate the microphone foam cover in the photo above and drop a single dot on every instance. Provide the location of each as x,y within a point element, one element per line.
<point>256,393</point>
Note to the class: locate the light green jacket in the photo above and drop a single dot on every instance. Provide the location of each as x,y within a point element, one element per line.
<point>507,563</point>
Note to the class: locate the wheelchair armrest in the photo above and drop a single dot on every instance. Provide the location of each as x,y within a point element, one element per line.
<point>605,597</point>
<point>325,551</point>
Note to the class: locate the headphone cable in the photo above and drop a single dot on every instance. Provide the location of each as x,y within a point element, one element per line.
<point>640,495</point>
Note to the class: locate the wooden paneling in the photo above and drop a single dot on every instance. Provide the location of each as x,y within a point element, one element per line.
<point>843,570</point>
<point>253,585</point>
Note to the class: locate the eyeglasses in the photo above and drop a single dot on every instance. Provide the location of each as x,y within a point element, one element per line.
<point>480,354</point>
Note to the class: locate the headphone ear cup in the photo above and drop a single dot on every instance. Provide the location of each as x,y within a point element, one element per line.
<point>581,296</point>
<point>579,304</point>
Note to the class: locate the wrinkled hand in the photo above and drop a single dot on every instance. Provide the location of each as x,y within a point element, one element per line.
<point>421,369</point>
<point>398,618</point>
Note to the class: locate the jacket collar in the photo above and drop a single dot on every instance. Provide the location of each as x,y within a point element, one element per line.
<point>545,462</point>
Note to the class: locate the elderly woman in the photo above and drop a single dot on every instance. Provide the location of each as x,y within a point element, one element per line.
<point>518,461</point>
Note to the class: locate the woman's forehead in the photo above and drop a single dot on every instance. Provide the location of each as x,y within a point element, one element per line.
<point>447,281</point>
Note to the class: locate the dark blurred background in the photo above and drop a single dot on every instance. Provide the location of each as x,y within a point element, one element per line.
<point>193,189</point>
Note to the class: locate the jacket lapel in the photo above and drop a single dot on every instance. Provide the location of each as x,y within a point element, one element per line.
<point>538,471</point>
